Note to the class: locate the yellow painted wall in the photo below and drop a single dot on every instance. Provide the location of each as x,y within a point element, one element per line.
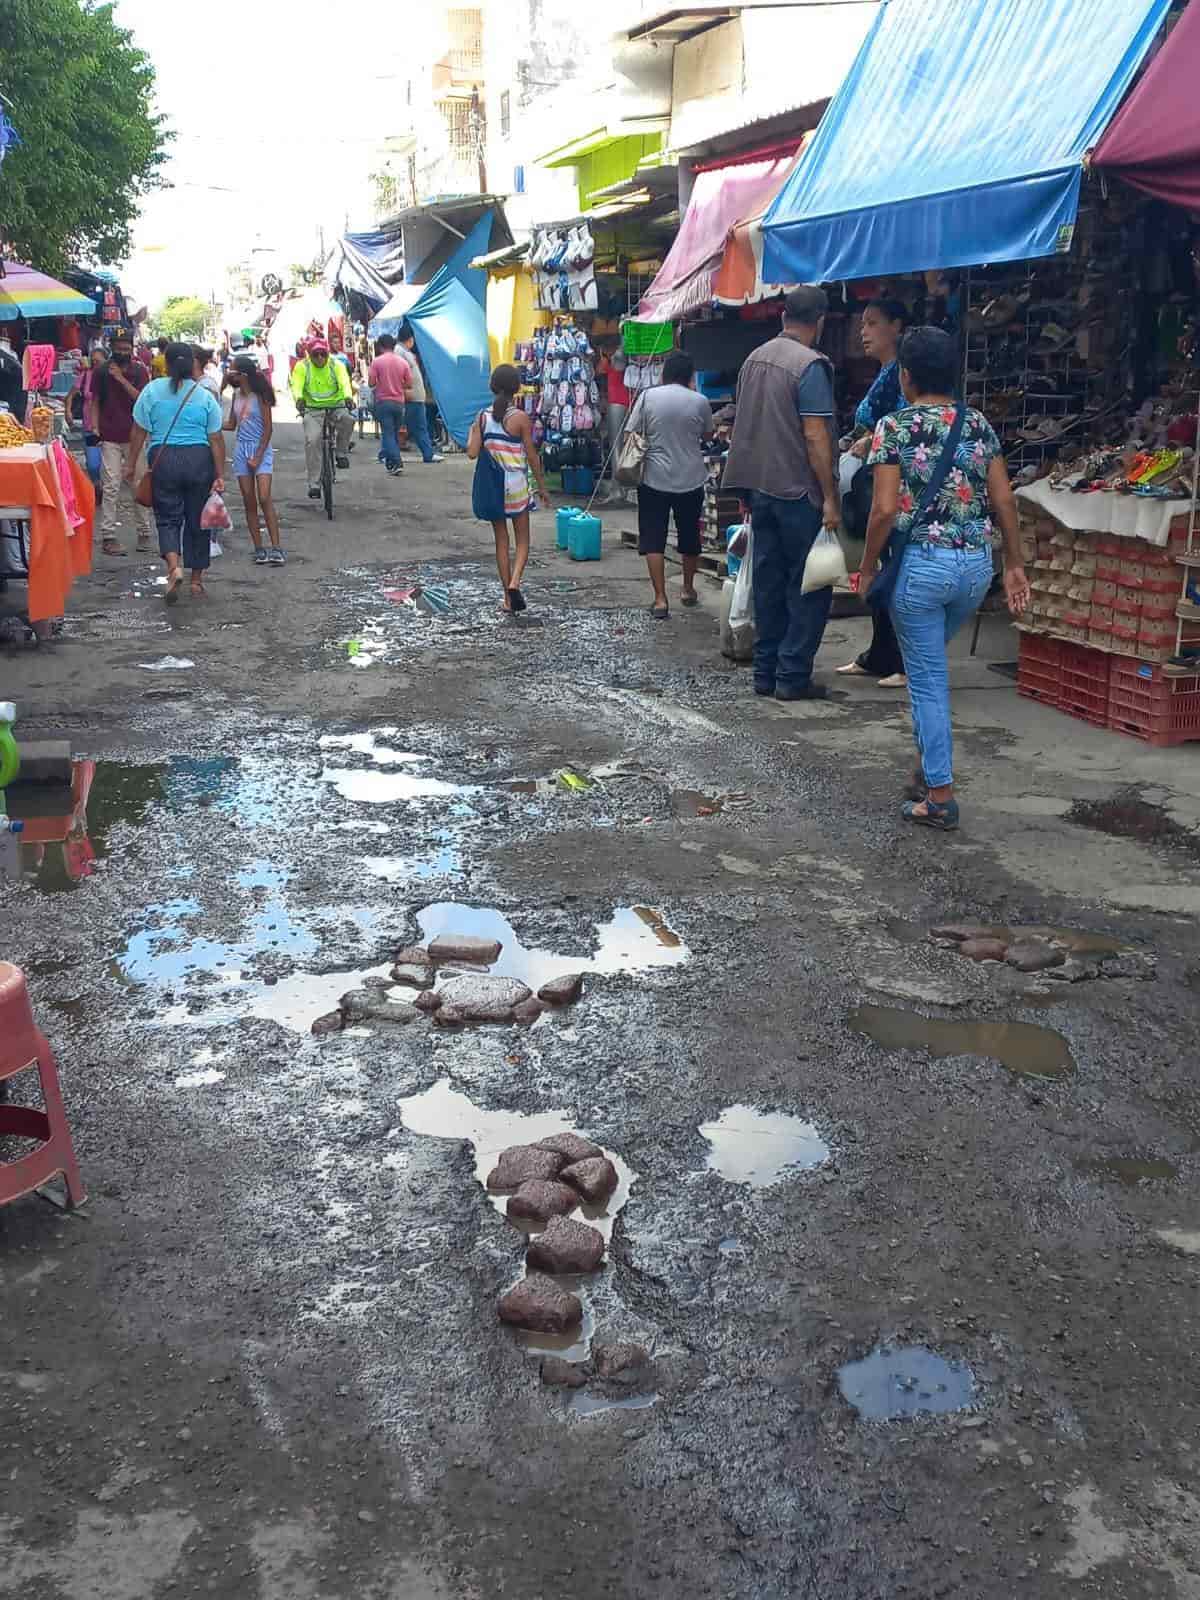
<point>512,315</point>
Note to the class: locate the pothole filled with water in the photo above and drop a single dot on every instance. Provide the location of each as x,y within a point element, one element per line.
<point>1128,1171</point>
<point>762,1148</point>
<point>594,1405</point>
<point>1127,816</point>
<point>1026,1049</point>
<point>905,1382</point>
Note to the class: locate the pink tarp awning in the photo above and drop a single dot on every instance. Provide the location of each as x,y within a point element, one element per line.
<point>721,198</point>
<point>1153,142</point>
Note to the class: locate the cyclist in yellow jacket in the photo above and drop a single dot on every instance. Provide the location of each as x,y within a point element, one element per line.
<point>319,385</point>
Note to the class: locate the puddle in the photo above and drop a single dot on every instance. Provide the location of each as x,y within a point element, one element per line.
<point>1023,1047</point>
<point>1129,1171</point>
<point>593,1405</point>
<point>760,1148</point>
<point>903,1383</point>
<point>573,1346</point>
<point>1127,816</point>
<point>368,744</point>
<point>167,664</point>
<point>443,863</point>
<point>66,829</point>
<point>634,939</point>
<point>443,1113</point>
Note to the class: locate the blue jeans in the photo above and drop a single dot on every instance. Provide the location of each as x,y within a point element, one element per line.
<point>417,422</point>
<point>788,625</point>
<point>936,591</point>
<point>391,418</point>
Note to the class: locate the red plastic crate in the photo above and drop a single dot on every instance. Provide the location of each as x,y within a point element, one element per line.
<point>1145,704</point>
<point>1084,683</point>
<point>1038,660</point>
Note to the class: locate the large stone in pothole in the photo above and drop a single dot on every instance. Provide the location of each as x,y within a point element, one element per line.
<point>540,1199</point>
<point>414,975</point>
<point>464,947</point>
<point>961,931</point>
<point>562,991</point>
<point>983,949</point>
<point>413,955</point>
<point>427,1000</point>
<point>331,1022</point>
<point>449,1016</point>
<point>541,1305</point>
<point>522,1163</point>
<point>1034,955</point>
<point>595,1178</point>
<point>560,1374</point>
<point>566,1246</point>
<point>370,1005</point>
<point>571,1145</point>
<point>610,1359</point>
<point>480,997</point>
<point>528,1011</point>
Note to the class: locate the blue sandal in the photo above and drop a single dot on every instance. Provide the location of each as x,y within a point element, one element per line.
<point>943,815</point>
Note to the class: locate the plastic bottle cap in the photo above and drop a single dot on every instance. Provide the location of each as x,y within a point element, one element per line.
<point>8,711</point>
<point>16,825</point>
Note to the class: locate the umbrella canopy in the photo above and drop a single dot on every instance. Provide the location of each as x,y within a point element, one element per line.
<point>26,293</point>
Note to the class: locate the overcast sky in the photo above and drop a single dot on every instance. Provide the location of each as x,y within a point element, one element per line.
<point>275,123</point>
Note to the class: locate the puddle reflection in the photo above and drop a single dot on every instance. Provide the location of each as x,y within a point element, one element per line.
<point>760,1148</point>
<point>1023,1047</point>
<point>902,1383</point>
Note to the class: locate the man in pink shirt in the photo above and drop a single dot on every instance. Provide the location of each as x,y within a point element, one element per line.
<point>391,378</point>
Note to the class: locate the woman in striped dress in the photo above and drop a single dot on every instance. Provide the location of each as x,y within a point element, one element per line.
<point>254,454</point>
<point>506,434</point>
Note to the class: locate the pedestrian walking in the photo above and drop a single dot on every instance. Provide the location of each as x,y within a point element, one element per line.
<point>416,415</point>
<point>320,385</point>
<point>883,325</point>
<point>941,482</point>
<point>180,422</point>
<point>115,390</point>
<point>158,361</point>
<point>611,369</point>
<point>781,463</point>
<point>675,422</point>
<point>206,371</point>
<point>505,436</point>
<point>390,376</point>
<point>251,415</point>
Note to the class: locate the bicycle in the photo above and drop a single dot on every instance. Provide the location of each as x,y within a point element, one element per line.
<point>328,459</point>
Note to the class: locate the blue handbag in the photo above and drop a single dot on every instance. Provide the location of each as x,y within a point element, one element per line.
<point>879,596</point>
<point>487,487</point>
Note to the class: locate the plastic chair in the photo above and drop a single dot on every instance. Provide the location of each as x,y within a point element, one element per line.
<point>24,1045</point>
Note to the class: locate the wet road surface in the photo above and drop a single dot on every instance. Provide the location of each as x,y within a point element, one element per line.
<point>910,1244</point>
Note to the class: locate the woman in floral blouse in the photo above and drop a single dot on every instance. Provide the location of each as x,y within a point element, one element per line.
<point>947,553</point>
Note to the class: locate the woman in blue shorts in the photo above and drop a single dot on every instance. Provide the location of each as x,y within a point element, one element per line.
<point>254,454</point>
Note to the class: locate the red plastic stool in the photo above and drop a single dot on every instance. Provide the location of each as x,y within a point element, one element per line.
<point>24,1045</point>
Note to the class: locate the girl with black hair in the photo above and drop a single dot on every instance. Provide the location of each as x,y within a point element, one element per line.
<point>180,423</point>
<point>250,413</point>
<point>506,434</point>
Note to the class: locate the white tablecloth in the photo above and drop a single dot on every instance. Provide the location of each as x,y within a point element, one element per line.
<point>1130,516</point>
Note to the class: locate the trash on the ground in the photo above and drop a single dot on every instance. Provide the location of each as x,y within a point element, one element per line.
<point>761,1148</point>
<point>167,664</point>
<point>901,1382</point>
<point>573,782</point>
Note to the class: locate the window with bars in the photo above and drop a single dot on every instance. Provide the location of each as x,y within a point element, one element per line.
<point>463,128</point>
<point>465,27</point>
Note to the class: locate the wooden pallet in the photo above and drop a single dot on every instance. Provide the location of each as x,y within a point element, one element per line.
<point>707,560</point>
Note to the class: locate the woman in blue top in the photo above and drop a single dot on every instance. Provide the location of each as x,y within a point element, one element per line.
<point>180,422</point>
<point>883,323</point>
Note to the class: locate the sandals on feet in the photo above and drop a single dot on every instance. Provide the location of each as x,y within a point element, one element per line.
<point>110,547</point>
<point>174,584</point>
<point>660,613</point>
<point>516,600</point>
<point>852,670</point>
<point>941,815</point>
<point>689,600</point>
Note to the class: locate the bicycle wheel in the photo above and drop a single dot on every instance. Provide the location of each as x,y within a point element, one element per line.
<point>327,474</point>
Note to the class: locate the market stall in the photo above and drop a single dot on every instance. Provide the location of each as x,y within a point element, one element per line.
<point>47,513</point>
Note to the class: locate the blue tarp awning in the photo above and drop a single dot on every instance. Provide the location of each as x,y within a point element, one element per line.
<point>957,137</point>
<point>449,322</point>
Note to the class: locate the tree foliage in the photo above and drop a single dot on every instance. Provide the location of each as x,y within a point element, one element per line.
<point>181,316</point>
<point>91,144</point>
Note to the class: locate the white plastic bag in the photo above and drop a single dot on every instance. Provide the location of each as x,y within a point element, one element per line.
<point>741,609</point>
<point>737,644</point>
<point>826,564</point>
<point>849,466</point>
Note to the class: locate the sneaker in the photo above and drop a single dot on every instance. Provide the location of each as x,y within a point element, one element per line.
<point>315,494</point>
<point>434,457</point>
<point>260,556</point>
<point>276,556</point>
<point>343,463</point>
<point>396,472</point>
<point>810,691</point>
<point>763,688</point>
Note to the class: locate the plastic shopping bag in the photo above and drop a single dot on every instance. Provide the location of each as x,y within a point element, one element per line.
<point>737,644</point>
<point>826,564</point>
<point>741,607</point>
<point>215,516</point>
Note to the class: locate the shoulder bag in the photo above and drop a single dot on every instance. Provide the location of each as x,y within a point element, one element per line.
<point>144,493</point>
<point>631,457</point>
<point>879,596</point>
<point>487,486</point>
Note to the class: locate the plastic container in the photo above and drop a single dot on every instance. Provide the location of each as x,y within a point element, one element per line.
<point>1038,661</point>
<point>1146,705</point>
<point>562,524</point>
<point>10,756</point>
<point>1084,683</point>
<point>583,538</point>
<point>585,481</point>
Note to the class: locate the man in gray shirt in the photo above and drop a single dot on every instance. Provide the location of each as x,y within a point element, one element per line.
<point>781,463</point>
<point>675,422</point>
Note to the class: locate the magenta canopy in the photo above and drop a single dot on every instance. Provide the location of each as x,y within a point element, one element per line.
<point>1153,142</point>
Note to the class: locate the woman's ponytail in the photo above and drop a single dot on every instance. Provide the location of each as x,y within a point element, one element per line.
<point>505,382</point>
<point>180,358</point>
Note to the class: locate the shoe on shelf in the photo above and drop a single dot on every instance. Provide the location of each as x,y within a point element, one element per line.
<point>260,556</point>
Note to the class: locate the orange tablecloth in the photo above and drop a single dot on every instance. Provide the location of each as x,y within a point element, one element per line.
<point>58,554</point>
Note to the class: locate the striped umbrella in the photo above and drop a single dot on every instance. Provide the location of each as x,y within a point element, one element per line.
<point>26,293</point>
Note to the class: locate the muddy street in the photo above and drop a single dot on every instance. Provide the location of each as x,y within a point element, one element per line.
<point>899,1281</point>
